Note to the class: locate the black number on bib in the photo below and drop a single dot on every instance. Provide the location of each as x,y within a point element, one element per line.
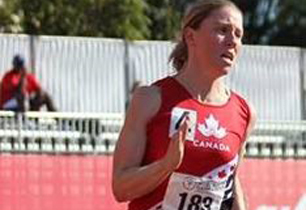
<point>207,201</point>
<point>183,200</point>
<point>196,202</point>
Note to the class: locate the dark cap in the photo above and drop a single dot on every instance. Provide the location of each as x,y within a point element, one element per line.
<point>18,61</point>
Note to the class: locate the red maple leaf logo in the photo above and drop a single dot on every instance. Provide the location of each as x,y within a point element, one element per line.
<point>222,174</point>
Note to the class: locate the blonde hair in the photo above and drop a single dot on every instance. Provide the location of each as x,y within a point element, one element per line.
<point>195,14</point>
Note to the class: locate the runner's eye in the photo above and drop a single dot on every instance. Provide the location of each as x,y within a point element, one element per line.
<point>223,30</point>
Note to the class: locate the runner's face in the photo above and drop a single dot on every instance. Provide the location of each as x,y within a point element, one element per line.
<point>217,42</point>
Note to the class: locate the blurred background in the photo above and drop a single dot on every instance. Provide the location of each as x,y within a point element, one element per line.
<point>90,54</point>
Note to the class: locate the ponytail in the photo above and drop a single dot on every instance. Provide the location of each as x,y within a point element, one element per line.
<point>179,55</point>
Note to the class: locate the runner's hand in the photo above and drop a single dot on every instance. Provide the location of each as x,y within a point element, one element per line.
<point>175,152</point>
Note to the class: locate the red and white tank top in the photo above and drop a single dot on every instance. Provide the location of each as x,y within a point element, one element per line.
<point>213,141</point>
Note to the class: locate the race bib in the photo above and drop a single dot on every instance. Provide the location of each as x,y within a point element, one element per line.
<point>187,192</point>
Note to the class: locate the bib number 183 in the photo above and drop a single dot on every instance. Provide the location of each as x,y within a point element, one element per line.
<point>194,202</point>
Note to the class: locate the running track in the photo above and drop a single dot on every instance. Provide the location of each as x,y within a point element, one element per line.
<point>45,182</point>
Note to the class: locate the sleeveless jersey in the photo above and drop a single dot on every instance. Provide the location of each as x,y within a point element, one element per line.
<point>215,135</point>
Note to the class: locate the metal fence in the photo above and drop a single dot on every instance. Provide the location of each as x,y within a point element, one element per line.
<point>57,133</point>
<point>94,75</point>
<point>85,133</point>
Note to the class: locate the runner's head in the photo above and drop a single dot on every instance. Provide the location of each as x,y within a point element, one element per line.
<point>194,16</point>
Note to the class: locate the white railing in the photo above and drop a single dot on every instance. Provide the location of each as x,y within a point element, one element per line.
<point>55,132</point>
<point>83,133</point>
<point>278,139</point>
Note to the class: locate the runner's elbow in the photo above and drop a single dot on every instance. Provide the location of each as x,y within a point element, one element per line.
<point>119,195</point>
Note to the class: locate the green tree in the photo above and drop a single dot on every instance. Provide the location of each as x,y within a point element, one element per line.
<point>122,19</point>
<point>165,19</point>
<point>108,18</point>
<point>274,22</point>
<point>9,18</point>
<point>291,24</point>
<point>54,17</point>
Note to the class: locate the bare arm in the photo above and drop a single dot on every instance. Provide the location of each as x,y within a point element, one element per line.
<point>130,179</point>
<point>240,202</point>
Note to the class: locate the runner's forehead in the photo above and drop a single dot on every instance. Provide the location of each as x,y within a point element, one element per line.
<point>227,16</point>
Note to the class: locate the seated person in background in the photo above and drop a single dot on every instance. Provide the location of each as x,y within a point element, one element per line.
<point>20,90</point>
